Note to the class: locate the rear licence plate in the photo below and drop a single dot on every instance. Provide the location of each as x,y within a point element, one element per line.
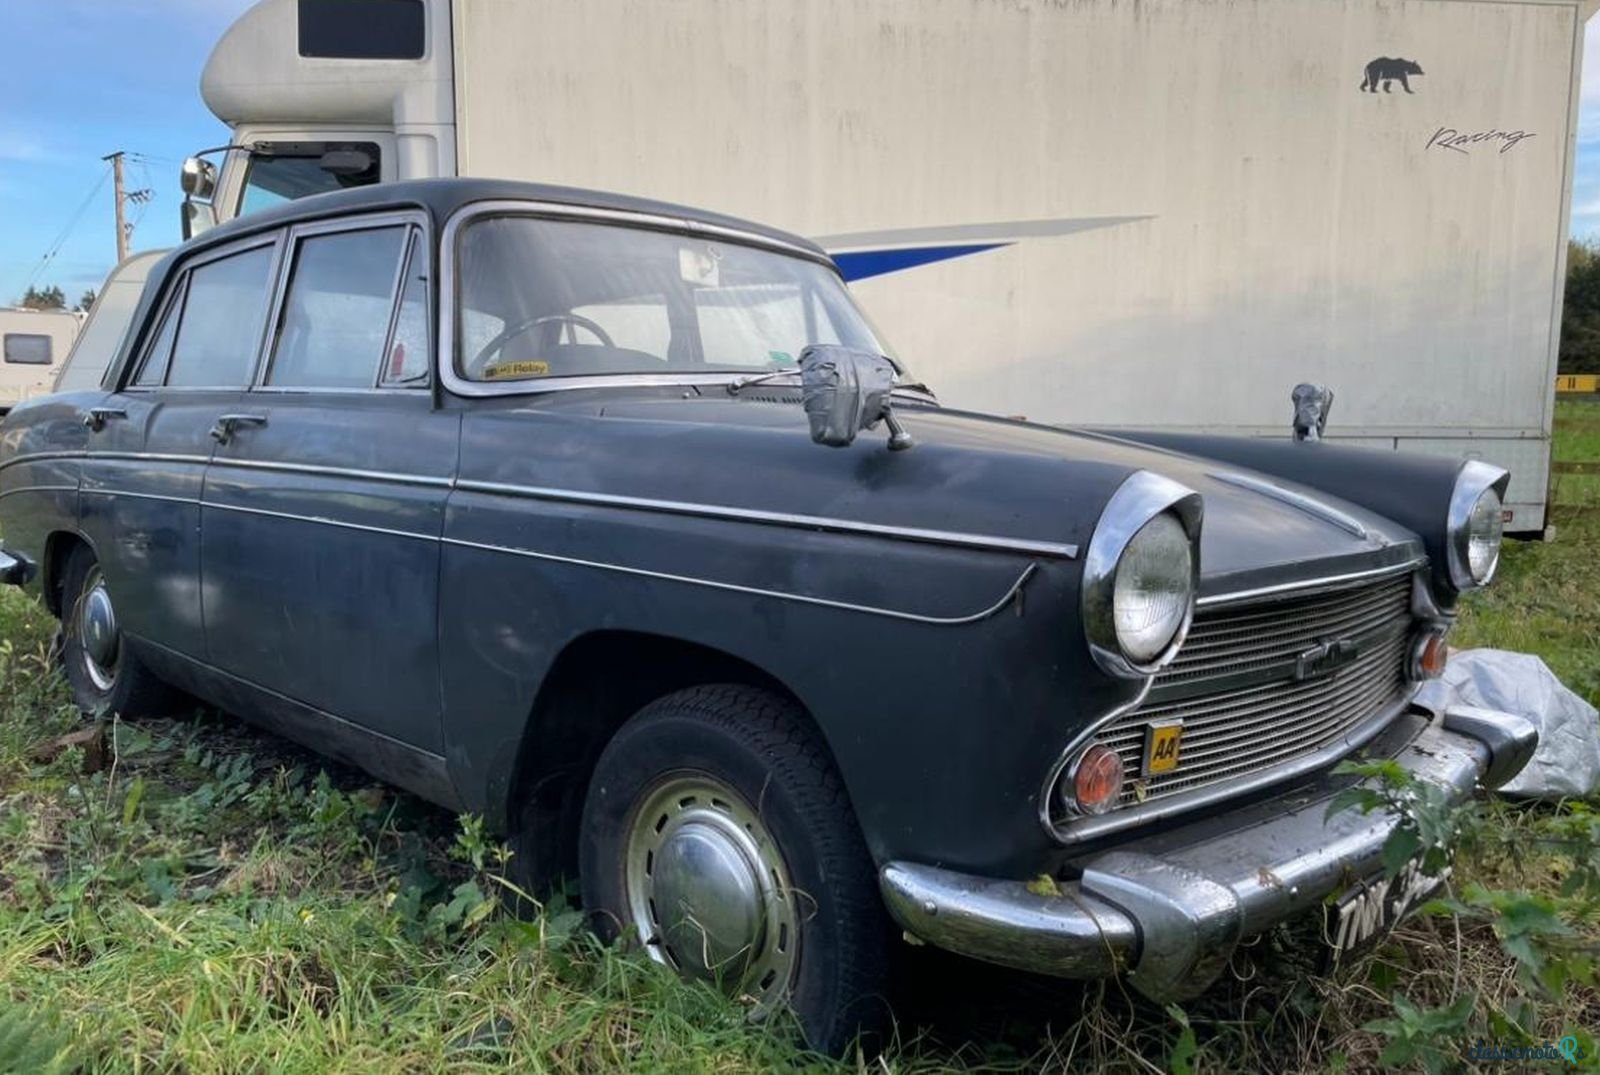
<point>1364,915</point>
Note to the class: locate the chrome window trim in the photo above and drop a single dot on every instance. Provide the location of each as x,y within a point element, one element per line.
<point>1473,480</point>
<point>444,344</point>
<point>1058,550</point>
<point>182,272</point>
<point>1141,497</point>
<point>283,279</point>
<point>1295,499</point>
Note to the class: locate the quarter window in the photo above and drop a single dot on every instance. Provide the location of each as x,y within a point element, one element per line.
<point>27,349</point>
<point>335,319</point>
<point>220,329</point>
<point>409,359</point>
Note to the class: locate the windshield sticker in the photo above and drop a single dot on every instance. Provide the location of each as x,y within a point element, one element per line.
<point>698,265</point>
<point>515,369</point>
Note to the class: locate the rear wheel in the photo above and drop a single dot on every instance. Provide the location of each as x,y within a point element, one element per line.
<point>717,833</point>
<point>106,677</point>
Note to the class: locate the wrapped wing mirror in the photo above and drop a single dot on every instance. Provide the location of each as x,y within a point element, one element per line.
<point>1312,402</point>
<point>845,391</point>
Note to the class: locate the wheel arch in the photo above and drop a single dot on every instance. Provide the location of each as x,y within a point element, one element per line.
<point>597,682</point>
<point>58,549</point>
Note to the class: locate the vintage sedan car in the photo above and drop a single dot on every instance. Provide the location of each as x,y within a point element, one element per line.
<point>563,508</point>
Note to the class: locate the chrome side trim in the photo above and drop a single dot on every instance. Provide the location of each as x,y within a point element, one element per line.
<point>1058,550</point>
<point>323,520</point>
<point>390,477</point>
<point>1295,499</point>
<point>1047,793</point>
<point>1309,584</point>
<point>1078,830</point>
<point>142,496</point>
<point>941,621</point>
<point>38,489</point>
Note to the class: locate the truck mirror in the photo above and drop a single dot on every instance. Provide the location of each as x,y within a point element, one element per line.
<point>198,178</point>
<point>845,391</point>
<point>196,218</point>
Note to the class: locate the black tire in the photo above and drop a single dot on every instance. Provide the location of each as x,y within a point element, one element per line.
<point>130,689</point>
<point>762,747</point>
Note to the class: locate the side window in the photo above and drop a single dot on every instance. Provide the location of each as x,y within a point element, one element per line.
<point>156,360</point>
<point>222,319</point>
<point>409,360</point>
<point>27,349</point>
<point>335,320</point>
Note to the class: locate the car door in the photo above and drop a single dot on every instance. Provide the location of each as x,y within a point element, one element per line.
<point>149,444</point>
<point>324,505</point>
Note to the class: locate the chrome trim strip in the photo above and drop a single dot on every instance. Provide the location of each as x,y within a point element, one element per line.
<point>341,524</point>
<point>1079,830</point>
<point>941,621</point>
<point>1047,795</point>
<point>38,489</point>
<point>1309,584</point>
<point>391,477</point>
<point>1059,550</point>
<point>143,496</point>
<point>1308,504</point>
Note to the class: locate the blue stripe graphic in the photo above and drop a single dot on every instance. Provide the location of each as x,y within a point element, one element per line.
<point>860,264</point>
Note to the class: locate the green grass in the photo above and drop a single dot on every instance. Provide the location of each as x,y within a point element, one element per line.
<point>211,899</point>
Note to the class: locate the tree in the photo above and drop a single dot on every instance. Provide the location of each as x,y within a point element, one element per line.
<point>85,301</point>
<point>1580,314</point>
<point>44,298</point>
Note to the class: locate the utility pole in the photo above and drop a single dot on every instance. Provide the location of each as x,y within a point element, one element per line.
<point>121,197</point>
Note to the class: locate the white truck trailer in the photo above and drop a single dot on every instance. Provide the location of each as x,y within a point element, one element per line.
<point>1154,214</point>
<point>34,345</point>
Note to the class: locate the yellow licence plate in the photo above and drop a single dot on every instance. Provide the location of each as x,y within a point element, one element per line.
<point>1161,747</point>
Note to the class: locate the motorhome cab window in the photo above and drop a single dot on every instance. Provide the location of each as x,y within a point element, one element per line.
<point>27,349</point>
<point>363,29</point>
<point>300,169</point>
<point>549,298</point>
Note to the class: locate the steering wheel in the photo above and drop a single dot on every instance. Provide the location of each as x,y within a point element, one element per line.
<point>505,335</point>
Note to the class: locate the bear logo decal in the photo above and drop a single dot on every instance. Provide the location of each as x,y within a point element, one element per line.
<point>1387,71</point>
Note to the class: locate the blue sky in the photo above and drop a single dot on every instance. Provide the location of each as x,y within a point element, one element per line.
<point>84,77</point>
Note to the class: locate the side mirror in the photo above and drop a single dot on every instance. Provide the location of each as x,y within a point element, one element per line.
<point>197,218</point>
<point>198,178</point>
<point>1312,402</point>
<point>845,391</point>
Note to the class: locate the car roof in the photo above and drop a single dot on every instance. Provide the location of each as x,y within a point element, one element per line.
<point>441,198</point>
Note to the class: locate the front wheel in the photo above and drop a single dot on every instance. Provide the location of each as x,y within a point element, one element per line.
<point>717,833</point>
<point>106,677</point>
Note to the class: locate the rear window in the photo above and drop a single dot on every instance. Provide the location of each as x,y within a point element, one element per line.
<point>27,349</point>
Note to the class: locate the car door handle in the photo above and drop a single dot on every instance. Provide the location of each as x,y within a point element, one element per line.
<point>97,417</point>
<point>222,432</point>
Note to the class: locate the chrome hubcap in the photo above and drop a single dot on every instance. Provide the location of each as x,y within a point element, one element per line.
<point>708,889</point>
<point>98,636</point>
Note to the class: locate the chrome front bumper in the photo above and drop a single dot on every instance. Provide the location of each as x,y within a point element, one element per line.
<point>14,570</point>
<point>1170,916</point>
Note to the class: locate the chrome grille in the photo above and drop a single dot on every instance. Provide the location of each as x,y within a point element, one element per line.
<point>1234,685</point>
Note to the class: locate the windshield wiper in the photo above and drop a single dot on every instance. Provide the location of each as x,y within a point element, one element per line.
<point>740,383</point>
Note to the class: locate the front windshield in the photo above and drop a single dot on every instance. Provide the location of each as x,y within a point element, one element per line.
<point>558,298</point>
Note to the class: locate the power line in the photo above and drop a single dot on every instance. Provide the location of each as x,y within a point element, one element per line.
<point>66,232</point>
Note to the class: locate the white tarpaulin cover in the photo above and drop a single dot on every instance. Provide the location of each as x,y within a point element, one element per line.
<point>1567,762</point>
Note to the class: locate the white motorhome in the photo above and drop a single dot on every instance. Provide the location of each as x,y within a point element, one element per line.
<point>33,346</point>
<point>1161,214</point>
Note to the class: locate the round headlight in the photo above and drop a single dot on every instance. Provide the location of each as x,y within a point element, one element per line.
<point>1154,588</point>
<point>1485,527</point>
<point>1475,525</point>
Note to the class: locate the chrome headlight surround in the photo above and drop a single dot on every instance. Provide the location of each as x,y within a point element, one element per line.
<point>1475,513</point>
<point>1141,499</point>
